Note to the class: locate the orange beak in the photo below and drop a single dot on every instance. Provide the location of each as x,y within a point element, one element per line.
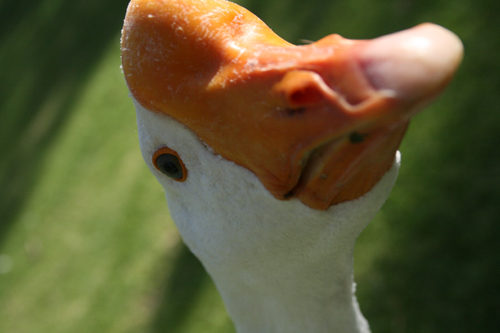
<point>319,122</point>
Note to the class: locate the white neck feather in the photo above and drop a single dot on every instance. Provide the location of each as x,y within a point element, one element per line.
<point>280,266</point>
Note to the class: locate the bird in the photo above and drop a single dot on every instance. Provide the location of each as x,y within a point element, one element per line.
<point>274,157</point>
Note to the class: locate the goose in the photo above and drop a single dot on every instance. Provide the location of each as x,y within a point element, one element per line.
<point>274,157</point>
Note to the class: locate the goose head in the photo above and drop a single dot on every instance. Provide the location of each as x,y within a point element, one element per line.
<point>274,157</point>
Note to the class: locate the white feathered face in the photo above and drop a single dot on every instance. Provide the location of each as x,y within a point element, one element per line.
<point>223,211</point>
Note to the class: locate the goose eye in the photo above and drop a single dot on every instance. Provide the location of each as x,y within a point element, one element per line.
<point>170,165</point>
<point>168,162</point>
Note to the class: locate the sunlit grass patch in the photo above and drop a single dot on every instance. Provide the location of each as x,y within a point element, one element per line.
<point>94,239</point>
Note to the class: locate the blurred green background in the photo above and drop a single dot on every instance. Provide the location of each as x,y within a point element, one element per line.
<point>86,244</point>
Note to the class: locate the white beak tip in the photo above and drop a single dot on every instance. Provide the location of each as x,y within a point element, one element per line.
<point>412,63</point>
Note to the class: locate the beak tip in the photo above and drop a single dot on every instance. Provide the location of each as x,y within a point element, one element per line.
<point>414,62</point>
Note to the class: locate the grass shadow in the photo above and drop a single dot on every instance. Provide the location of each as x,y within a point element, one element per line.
<point>47,52</point>
<point>181,291</point>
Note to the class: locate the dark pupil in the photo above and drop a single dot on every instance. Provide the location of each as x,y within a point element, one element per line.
<point>169,164</point>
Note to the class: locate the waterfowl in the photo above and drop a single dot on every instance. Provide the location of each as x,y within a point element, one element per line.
<point>274,157</point>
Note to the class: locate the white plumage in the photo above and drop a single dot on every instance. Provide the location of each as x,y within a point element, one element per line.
<point>280,266</point>
<point>318,125</point>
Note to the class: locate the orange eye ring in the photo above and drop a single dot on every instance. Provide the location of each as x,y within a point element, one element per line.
<point>168,162</point>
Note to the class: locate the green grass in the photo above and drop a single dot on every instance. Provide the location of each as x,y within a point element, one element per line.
<point>86,244</point>
<point>93,245</point>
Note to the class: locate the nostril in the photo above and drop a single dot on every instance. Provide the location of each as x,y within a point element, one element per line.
<point>302,89</point>
<point>308,95</point>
